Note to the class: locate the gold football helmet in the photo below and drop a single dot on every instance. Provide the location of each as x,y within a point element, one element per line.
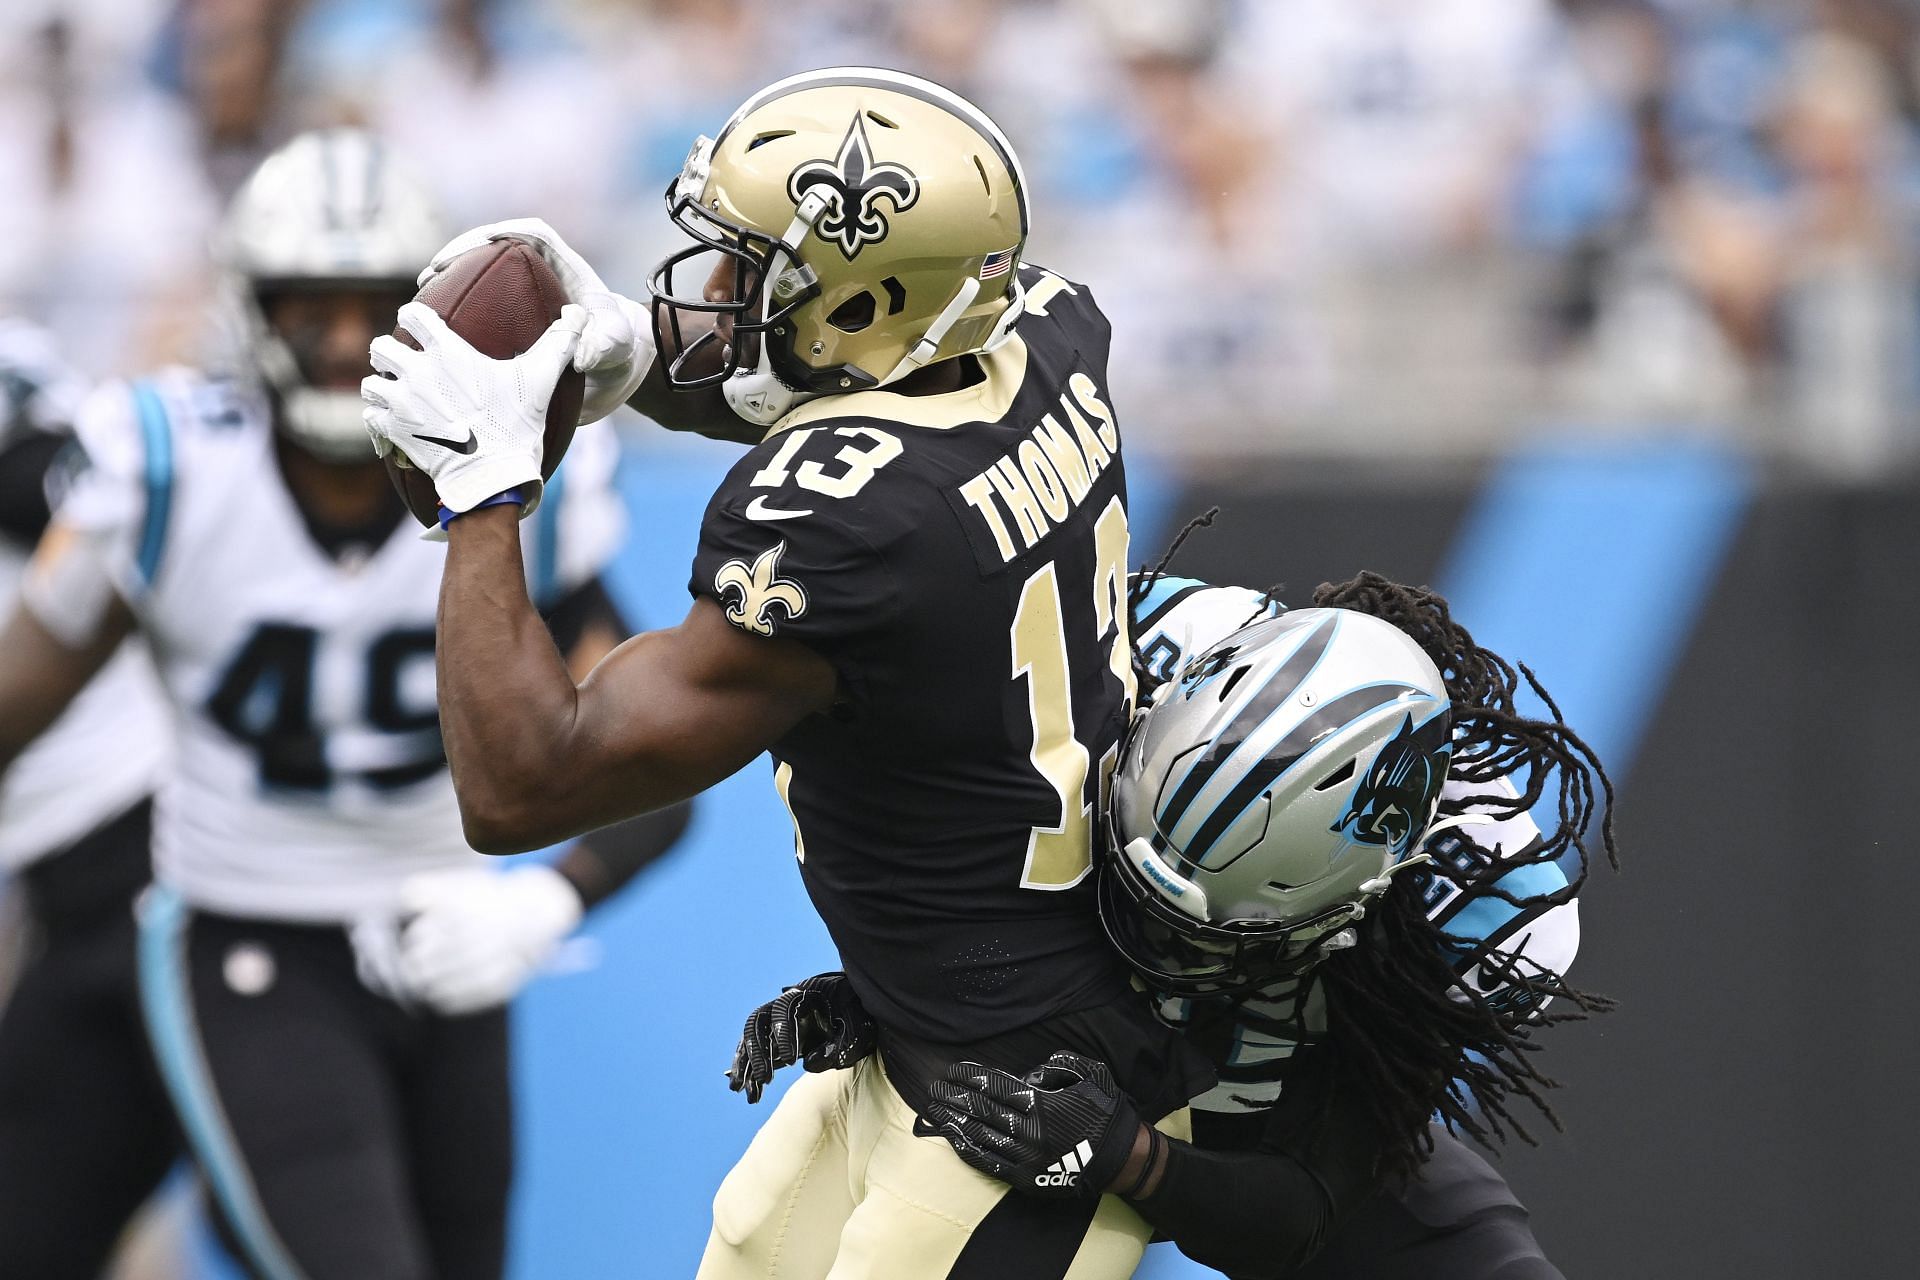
<point>873,222</point>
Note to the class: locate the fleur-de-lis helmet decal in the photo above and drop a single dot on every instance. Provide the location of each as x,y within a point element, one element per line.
<point>853,184</point>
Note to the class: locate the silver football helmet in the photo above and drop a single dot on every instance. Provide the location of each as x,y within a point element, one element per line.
<point>1267,795</point>
<point>330,210</point>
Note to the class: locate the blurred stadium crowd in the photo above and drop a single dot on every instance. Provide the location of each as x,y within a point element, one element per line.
<point>1320,225</point>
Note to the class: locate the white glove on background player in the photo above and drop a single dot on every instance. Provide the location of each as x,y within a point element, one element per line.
<point>475,425</point>
<point>616,347</point>
<point>473,937</point>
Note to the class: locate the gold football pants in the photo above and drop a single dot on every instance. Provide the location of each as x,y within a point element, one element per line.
<point>836,1187</point>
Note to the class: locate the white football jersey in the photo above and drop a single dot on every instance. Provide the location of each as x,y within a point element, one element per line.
<point>103,753</point>
<point>310,779</point>
<point>1176,618</point>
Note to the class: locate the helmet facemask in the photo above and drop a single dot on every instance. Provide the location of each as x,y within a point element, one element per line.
<point>1178,955</point>
<point>319,413</point>
<point>770,283</point>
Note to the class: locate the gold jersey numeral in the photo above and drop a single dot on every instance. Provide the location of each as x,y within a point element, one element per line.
<point>1060,856</point>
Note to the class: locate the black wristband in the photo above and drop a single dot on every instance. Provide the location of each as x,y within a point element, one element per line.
<point>1156,1146</point>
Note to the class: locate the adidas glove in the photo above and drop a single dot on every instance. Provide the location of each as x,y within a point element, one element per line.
<point>1064,1131</point>
<point>819,1022</point>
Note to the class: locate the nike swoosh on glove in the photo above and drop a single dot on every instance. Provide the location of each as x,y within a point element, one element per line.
<point>616,347</point>
<point>477,426</point>
<point>1063,1131</point>
<point>819,1022</point>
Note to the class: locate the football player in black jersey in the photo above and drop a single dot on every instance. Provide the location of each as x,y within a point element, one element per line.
<point>911,592</point>
<point>1281,877</point>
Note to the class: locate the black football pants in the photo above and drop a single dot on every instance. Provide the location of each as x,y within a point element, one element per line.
<point>86,1132</point>
<point>1457,1221</point>
<point>340,1135</point>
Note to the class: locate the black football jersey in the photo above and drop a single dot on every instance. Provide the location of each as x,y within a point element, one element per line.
<point>961,559</point>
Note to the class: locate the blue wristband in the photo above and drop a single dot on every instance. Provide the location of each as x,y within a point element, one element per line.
<point>500,499</point>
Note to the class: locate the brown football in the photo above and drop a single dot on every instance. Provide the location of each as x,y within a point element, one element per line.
<point>500,297</point>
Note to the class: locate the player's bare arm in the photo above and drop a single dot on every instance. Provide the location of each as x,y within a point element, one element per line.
<point>608,858</point>
<point>40,673</point>
<point>537,758</point>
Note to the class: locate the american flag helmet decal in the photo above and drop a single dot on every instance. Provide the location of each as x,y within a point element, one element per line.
<point>997,264</point>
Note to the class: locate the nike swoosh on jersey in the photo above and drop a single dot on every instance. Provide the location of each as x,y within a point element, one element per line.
<point>468,445</point>
<point>758,510</point>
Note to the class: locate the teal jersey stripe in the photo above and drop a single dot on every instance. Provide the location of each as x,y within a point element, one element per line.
<point>1485,916</point>
<point>157,438</point>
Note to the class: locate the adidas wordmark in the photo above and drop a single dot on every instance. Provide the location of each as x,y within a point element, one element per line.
<point>1065,1171</point>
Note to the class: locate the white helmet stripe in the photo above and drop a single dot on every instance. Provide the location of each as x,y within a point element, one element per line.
<point>1312,644</point>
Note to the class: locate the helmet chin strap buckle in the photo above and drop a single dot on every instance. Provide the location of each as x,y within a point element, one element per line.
<point>1384,881</point>
<point>923,351</point>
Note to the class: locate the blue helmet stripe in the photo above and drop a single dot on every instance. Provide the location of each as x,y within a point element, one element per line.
<point>1335,715</point>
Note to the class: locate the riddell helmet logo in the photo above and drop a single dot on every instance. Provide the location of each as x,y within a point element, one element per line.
<point>853,184</point>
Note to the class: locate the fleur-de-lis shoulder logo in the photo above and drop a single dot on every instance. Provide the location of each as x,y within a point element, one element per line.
<point>853,185</point>
<point>761,590</point>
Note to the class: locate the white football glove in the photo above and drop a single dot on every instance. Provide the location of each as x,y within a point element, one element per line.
<point>475,936</point>
<point>616,347</point>
<point>475,425</point>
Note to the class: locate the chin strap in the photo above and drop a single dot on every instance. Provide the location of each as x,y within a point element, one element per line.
<point>922,352</point>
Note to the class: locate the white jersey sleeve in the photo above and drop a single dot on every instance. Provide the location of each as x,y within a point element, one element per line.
<point>1536,941</point>
<point>1177,618</point>
<point>118,500</point>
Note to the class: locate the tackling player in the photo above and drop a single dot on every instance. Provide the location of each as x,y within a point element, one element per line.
<point>1262,815</point>
<point>911,591</point>
<point>324,961</point>
<point>86,1133</point>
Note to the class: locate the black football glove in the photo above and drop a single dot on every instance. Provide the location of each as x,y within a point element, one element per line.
<point>820,1022</point>
<point>1064,1131</point>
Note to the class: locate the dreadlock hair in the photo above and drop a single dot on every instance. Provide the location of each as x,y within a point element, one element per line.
<point>1143,586</point>
<point>1408,1034</point>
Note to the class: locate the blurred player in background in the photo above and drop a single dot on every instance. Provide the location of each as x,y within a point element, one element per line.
<point>1369,979</point>
<point>324,962</point>
<point>912,591</point>
<point>86,1132</point>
